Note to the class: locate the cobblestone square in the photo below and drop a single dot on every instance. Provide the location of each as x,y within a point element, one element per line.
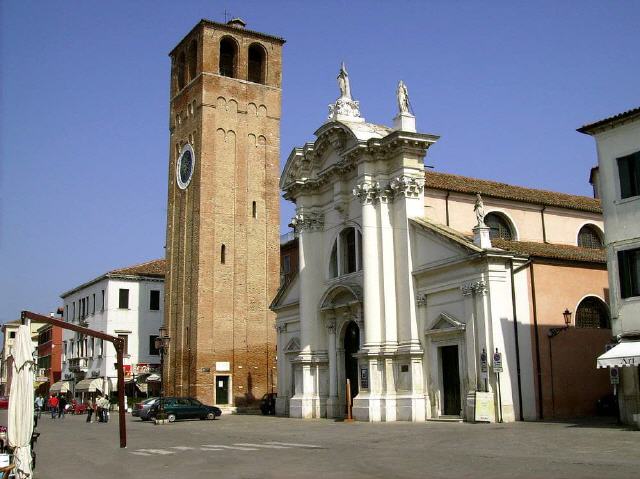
<point>269,447</point>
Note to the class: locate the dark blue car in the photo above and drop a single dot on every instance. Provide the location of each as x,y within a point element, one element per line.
<point>184,408</point>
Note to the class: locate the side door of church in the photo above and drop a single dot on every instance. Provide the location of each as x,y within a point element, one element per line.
<point>450,380</point>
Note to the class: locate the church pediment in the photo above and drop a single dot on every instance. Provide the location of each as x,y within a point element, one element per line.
<point>293,346</point>
<point>445,323</point>
<point>288,293</point>
<point>436,244</point>
<point>332,155</point>
<point>341,295</point>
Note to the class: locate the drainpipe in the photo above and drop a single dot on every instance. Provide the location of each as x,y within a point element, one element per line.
<point>544,229</point>
<point>537,339</point>
<point>446,206</point>
<point>515,334</point>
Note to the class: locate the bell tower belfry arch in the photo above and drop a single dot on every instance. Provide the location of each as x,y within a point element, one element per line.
<point>222,244</point>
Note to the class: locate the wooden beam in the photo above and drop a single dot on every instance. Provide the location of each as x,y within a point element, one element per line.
<point>117,342</point>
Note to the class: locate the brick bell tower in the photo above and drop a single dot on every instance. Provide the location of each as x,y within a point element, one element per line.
<point>223,214</point>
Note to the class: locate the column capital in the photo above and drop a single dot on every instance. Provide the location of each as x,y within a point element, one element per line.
<point>421,299</point>
<point>406,186</point>
<point>303,221</point>
<point>470,287</point>
<point>330,324</point>
<point>368,192</point>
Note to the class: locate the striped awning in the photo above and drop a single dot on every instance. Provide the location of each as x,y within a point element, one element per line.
<point>89,385</point>
<point>59,387</point>
<point>621,355</point>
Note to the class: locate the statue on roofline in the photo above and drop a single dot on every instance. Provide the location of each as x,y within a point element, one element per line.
<point>403,98</point>
<point>479,210</point>
<point>343,83</point>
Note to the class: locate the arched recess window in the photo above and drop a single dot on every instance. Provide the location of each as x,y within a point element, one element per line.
<point>257,63</point>
<point>346,254</point>
<point>193,59</point>
<point>499,226</point>
<point>592,313</point>
<point>181,72</point>
<point>228,57</point>
<point>589,237</point>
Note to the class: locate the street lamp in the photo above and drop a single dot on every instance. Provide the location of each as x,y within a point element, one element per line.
<point>567,321</point>
<point>162,344</point>
<point>566,314</point>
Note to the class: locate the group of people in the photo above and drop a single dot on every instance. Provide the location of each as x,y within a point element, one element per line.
<point>58,403</point>
<point>100,407</point>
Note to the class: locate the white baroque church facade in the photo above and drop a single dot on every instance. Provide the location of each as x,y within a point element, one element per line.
<point>389,296</point>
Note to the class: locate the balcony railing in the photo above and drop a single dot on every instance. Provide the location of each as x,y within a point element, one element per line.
<point>78,365</point>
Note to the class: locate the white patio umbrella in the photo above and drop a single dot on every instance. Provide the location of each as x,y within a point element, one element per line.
<point>20,427</point>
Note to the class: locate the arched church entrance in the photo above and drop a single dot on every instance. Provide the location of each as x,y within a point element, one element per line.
<point>341,308</point>
<point>351,347</point>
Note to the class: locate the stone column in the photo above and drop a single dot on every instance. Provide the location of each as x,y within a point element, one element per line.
<point>358,317</point>
<point>309,225</point>
<point>332,401</point>
<point>368,193</point>
<point>408,203</point>
<point>283,384</point>
<point>388,277</point>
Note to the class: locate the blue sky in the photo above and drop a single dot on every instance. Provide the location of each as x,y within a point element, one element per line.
<point>84,98</point>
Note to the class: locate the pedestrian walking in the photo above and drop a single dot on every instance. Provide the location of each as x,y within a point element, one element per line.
<point>53,406</point>
<point>105,409</point>
<point>39,403</point>
<point>62,404</point>
<point>89,409</point>
<point>98,408</point>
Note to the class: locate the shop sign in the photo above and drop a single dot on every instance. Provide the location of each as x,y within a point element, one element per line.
<point>145,368</point>
<point>223,366</point>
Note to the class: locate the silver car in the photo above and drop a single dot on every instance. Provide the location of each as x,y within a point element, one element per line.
<point>141,409</point>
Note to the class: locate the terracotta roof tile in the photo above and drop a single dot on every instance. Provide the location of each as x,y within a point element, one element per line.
<point>464,184</point>
<point>600,125</point>
<point>552,251</point>
<point>156,267</point>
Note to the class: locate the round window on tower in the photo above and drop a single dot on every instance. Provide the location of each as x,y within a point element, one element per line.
<point>185,166</point>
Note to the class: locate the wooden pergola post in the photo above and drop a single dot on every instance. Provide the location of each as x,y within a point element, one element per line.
<point>118,343</point>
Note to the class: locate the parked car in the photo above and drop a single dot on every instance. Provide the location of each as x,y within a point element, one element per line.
<point>268,404</point>
<point>4,402</point>
<point>142,409</point>
<point>185,408</point>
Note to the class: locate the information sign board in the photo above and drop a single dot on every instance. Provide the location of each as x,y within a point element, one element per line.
<point>364,377</point>
<point>484,406</point>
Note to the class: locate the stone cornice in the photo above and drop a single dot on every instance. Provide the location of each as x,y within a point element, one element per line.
<point>301,174</point>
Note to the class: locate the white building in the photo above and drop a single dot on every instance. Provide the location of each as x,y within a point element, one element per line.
<point>618,144</point>
<point>9,330</point>
<point>126,302</point>
<point>399,289</point>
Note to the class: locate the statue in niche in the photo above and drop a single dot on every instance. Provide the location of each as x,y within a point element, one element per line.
<point>403,98</point>
<point>343,83</point>
<point>479,210</point>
